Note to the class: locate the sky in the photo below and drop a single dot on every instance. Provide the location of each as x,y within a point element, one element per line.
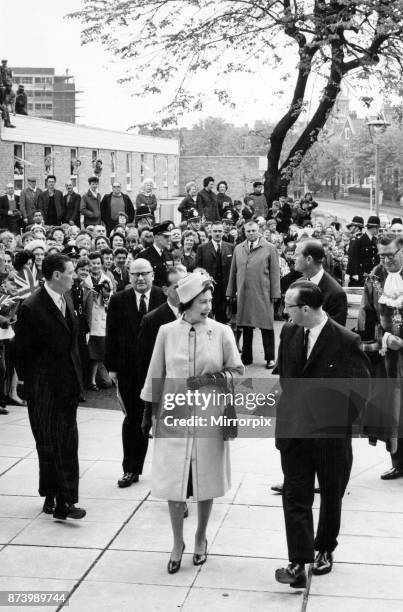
<point>37,34</point>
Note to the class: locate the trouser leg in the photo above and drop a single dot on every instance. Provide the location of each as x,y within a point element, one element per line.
<point>334,459</point>
<point>268,344</point>
<point>135,445</point>
<point>247,352</point>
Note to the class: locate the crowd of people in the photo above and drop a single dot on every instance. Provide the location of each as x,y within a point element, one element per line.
<point>99,293</point>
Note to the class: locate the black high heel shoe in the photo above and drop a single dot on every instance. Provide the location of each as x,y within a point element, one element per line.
<point>174,566</point>
<point>200,559</point>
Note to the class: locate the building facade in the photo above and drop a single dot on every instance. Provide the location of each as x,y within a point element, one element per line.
<point>39,147</point>
<point>50,96</point>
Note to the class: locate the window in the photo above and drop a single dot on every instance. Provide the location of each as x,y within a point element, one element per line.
<point>128,171</point>
<point>48,160</point>
<point>166,171</point>
<point>30,106</point>
<point>19,168</point>
<point>74,163</point>
<point>17,80</point>
<point>26,80</point>
<point>155,169</point>
<point>142,167</point>
<point>113,164</point>
<point>96,162</point>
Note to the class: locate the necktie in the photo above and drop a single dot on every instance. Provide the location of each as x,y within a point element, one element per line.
<point>305,353</point>
<point>62,305</point>
<point>143,306</point>
<point>219,263</point>
<point>250,245</point>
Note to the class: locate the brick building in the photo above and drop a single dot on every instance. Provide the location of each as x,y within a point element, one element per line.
<point>238,170</point>
<point>38,147</point>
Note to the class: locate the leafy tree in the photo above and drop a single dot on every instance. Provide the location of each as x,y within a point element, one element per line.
<point>171,42</point>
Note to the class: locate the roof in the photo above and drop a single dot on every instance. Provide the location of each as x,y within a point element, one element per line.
<point>48,132</point>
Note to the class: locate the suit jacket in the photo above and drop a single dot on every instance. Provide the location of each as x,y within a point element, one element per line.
<point>158,262</point>
<point>46,346</point>
<point>90,208</point>
<point>363,256</point>
<point>122,328</point>
<point>11,222</point>
<point>206,204</point>
<point>43,205</point>
<point>29,203</point>
<point>71,211</point>
<point>320,406</point>
<point>334,299</point>
<point>148,334</point>
<point>106,210</point>
<point>206,257</point>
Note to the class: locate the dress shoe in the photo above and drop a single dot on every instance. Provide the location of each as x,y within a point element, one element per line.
<point>127,479</point>
<point>294,575</point>
<point>279,488</point>
<point>270,364</point>
<point>200,559</point>
<point>186,511</point>
<point>49,504</point>
<point>246,362</point>
<point>323,564</point>
<point>65,511</point>
<point>3,410</point>
<point>392,474</point>
<point>174,566</point>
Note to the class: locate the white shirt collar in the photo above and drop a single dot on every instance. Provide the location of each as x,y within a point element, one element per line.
<point>159,251</point>
<point>314,333</point>
<point>10,197</point>
<point>317,277</point>
<point>53,295</point>
<point>217,245</point>
<point>174,309</point>
<point>138,297</point>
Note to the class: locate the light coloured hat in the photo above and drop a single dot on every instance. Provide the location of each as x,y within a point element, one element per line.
<point>35,244</point>
<point>192,285</point>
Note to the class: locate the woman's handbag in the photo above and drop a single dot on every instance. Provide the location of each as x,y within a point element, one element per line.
<point>230,421</point>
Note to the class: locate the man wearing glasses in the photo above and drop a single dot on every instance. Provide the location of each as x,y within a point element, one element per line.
<point>114,203</point>
<point>381,319</point>
<point>313,426</point>
<point>125,312</point>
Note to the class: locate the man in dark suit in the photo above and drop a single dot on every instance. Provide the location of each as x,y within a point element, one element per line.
<point>112,204</point>
<point>313,426</point>
<point>49,364</point>
<point>158,255</point>
<point>10,214</point>
<point>308,261</point>
<point>216,257</point>
<point>151,322</point>
<point>29,200</point>
<point>125,312</point>
<point>355,228</point>
<point>71,206</point>
<point>50,202</point>
<point>309,256</point>
<point>363,253</point>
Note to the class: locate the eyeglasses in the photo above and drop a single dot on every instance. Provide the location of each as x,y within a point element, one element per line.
<point>288,306</point>
<point>389,256</point>
<point>137,274</point>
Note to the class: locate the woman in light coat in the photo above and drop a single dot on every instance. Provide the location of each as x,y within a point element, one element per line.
<point>190,353</point>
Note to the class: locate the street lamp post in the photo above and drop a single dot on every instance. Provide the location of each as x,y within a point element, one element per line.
<point>377,127</point>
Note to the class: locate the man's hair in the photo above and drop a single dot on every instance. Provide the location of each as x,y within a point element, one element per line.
<point>222,183</point>
<point>144,229</point>
<point>251,222</point>
<point>309,294</point>
<point>50,176</point>
<point>248,199</point>
<point>56,262</point>
<point>215,223</point>
<point>95,255</point>
<point>106,251</point>
<point>120,251</point>
<point>388,238</point>
<point>315,249</point>
<point>171,272</point>
<point>93,179</point>
<point>83,233</point>
<point>207,180</point>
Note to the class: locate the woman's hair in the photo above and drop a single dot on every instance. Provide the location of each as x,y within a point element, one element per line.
<point>98,238</point>
<point>21,258</point>
<point>186,234</point>
<point>189,186</point>
<point>222,183</point>
<point>146,182</point>
<point>183,307</point>
<point>82,263</point>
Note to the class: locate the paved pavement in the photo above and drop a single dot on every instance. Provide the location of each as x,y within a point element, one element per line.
<point>345,209</point>
<point>115,559</point>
